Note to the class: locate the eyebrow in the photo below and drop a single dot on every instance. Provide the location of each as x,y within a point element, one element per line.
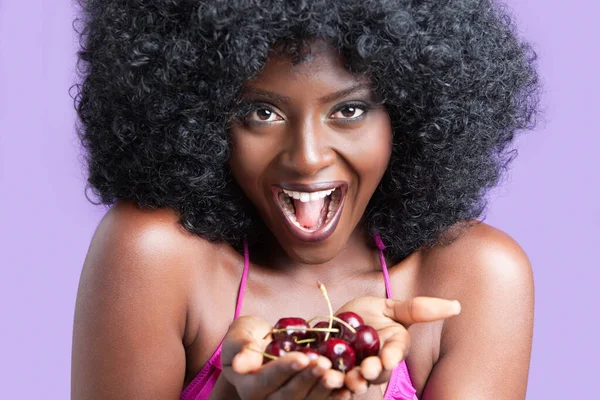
<point>281,99</point>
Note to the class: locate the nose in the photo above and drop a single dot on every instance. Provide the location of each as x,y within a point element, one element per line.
<point>309,149</point>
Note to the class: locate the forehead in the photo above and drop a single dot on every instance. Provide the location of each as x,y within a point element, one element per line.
<point>320,68</point>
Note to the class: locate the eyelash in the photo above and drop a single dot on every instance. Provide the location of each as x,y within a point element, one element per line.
<point>263,106</point>
<point>357,105</point>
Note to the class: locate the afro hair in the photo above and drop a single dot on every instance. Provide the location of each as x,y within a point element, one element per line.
<point>160,83</point>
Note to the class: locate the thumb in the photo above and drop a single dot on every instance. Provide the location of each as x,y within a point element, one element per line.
<point>420,309</point>
<point>244,343</point>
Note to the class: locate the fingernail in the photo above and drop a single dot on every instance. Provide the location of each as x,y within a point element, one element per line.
<point>238,358</point>
<point>389,365</point>
<point>331,383</point>
<point>457,307</point>
<point>362,389</point>
<point>370,375</point>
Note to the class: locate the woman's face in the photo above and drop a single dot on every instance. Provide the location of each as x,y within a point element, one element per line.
<point>311,151</point>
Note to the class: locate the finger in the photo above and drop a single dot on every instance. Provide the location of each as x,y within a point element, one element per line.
<point>247,360</point>
<point>243,344</point>
<point>269,377</point>
<point>355,381</point>
<point>300,385</point>
<point>420,309</point>
<point>395,343</point>
<point>371,368</point>
<point>341,394</point>
<point>319,392</point>
<point>330,381</point>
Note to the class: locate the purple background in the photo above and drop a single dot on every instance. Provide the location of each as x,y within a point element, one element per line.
<point>548,203</point>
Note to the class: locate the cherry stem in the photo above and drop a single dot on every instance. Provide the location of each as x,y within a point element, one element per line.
<point>304,341</point>
<point>341,321</point>
<point>332,330</point>
<point>272,357</point>
<point>328,330</point>
<point>324,291</point>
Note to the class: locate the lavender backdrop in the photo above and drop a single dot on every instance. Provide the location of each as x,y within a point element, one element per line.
<point>548,203</point>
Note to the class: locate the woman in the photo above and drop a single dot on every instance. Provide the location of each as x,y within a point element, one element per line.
<point>252,148</point>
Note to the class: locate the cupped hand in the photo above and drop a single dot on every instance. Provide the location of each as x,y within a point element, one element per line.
<point>292,376</point>
<point>391,319</point>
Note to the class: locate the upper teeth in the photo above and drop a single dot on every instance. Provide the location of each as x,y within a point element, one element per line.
<point>306,196</point>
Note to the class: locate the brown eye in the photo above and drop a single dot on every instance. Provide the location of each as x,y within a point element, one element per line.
<point>348,112</point>
<point>263,115</point>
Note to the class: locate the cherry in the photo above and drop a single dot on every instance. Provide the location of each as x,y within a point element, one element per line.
<point>340,353</point>
<point>278,348</point>
<point>318,336</point>
<point>352,319</point>
<point>366,342</point>
<point>294,328</point>
<point>311,353</point>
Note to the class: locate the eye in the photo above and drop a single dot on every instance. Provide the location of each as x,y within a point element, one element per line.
<point>349,111</point>
<point>263,114</point>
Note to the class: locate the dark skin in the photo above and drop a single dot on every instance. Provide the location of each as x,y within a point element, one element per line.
<point>150,307</point>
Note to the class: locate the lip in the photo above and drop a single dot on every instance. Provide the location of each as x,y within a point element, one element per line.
<point>311,187</point>
<point>325,231</point>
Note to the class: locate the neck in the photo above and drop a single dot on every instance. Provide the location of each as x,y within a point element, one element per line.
<point>359,256</point>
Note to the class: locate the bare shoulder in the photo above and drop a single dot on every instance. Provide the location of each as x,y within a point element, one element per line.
<point>481,257</point>
<point>134,246</point>
<point>485,351</point>
<point>151,232</point>
<point>131,317</point>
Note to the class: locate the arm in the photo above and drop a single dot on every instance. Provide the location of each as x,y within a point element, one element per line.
<point>130,314</point>
<point>485,351</point>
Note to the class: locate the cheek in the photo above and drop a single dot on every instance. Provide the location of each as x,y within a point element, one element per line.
<point>244,161</point>
<point>372,154</point>
<point>249,160</point>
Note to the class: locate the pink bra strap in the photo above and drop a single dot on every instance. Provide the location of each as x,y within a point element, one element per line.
<point>240,299</point>
<point>386,275</point>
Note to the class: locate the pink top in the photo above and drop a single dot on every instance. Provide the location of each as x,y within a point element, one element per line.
<point>399,387</point>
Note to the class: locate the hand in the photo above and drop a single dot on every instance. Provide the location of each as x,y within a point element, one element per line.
<point>391,319</point>
<point>292,376</point>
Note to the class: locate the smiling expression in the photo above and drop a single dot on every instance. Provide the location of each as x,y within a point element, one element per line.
<point>311,151</point>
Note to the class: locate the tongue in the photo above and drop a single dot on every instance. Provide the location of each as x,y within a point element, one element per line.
<point>307,214</point>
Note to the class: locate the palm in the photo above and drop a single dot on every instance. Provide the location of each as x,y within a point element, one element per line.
<point>391,319</point>
<point>372,311</point>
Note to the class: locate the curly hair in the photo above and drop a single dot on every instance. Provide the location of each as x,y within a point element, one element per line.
<point>161,81</point>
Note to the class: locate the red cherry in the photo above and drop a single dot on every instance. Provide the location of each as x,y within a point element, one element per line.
<point>340,353</point>
<point>352,319</point>
<point>318,336</point>
<point>278,348</point>
<point>294,328</point>
<point>366,342</point>
<point>311,353</point>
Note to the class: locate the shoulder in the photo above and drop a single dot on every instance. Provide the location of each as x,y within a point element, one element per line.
<point>486,348</point>
<point>133,301</point>
<point>148,237</point>
<point>153,230</point>
<point>149,253</point>
<point>481,258</point>
<point>491,275</point>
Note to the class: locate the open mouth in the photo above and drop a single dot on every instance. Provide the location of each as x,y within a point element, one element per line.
<point>311,215</point>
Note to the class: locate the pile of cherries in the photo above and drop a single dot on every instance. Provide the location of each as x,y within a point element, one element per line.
<point>344,339</point>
